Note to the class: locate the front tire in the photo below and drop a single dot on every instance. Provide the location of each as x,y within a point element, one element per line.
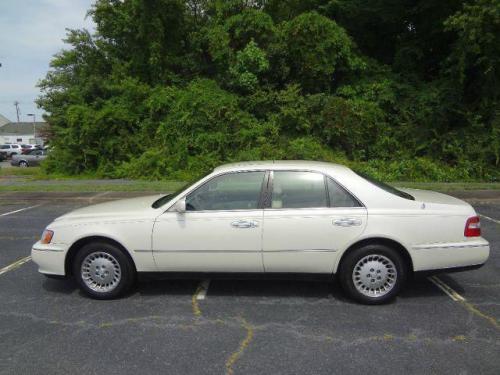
<point>103,271</point>
<point>373,274</point>
<point>23,164</point>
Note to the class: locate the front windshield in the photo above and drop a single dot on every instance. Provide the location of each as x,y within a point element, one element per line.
<point>386,187</point>
<point>161,201</point>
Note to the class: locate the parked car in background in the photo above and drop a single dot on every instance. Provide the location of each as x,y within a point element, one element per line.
<point>282,217</point>
<point>10,149</point>
<point>25,148</point>
<point>33,158</point>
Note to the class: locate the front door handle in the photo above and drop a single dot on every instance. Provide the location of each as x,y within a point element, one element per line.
<point>244,224</point>
<point>347,222</point>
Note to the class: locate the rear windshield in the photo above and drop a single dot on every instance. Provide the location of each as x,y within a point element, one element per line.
<point>386,187</point>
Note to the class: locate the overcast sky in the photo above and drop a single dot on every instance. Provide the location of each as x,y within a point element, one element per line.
<point>31,33</point>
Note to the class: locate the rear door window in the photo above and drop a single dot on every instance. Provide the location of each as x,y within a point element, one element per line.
<point>297,189</point>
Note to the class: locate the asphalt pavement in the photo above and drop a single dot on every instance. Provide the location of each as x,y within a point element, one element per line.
<point>238,327</point>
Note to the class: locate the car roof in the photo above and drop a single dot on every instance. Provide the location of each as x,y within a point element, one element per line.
<point>281,164</point>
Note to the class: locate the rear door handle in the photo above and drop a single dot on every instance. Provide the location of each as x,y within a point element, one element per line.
<point>244,224</point>
<point>347,222</point>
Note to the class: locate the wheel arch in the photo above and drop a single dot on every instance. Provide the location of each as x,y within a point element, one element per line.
<point>77,245</point>
<point>381,241</point>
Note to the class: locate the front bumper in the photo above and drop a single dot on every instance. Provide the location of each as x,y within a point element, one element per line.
<point>49,258</point>
<point>442,256</point>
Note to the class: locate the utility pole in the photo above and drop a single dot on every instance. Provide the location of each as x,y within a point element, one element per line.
<point>34,129</point>
<point>18,111</point>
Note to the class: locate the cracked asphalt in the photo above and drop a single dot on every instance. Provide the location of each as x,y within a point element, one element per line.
<point>240,327</point>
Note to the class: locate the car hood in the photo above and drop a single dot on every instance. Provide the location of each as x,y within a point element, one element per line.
<point>132,207</point>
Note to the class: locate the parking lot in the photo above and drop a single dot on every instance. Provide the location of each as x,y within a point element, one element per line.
<point>449,324</point>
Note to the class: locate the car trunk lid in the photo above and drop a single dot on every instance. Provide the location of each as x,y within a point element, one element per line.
<point>428,196</point>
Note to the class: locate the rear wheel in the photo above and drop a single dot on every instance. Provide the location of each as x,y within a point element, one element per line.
<point>373,274</point>
<point>103,271</point>
<point>23,164</point>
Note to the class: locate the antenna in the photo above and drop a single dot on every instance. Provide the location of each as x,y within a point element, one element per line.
<point>18,111</point>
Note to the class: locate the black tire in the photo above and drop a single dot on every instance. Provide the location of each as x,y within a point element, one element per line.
<point>23,164</point>
<point>351,260</point>
<point>126,268</point>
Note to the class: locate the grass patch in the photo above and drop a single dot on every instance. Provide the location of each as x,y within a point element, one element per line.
<point>28,172</point>
<point>85,187</point>
<point>34,179</point>
<point>37,173</point>
<point>448,186</point>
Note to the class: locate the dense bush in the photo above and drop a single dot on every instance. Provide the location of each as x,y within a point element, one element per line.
<point>171,88</point>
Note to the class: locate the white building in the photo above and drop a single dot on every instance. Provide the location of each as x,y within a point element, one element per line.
<point>22,132</point>
<point>3,120</point>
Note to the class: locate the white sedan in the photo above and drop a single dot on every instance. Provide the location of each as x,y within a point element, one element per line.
<point>283,217</point>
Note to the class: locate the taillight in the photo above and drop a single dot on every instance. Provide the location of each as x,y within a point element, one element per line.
<point>472,227</point>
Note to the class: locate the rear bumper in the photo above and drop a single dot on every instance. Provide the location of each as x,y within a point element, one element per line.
<point>49,258</point>
<point>449,256</point>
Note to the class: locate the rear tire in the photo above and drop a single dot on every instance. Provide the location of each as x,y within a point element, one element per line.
<point>103,271</point>
<point>23,164</point>
<point>373,274</point>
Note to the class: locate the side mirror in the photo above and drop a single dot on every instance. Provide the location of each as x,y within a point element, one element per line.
<point>179,206</point>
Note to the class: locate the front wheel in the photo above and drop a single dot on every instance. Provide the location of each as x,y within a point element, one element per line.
<point>23,164</point>
<point>103,271</point>
<point>373,274</point>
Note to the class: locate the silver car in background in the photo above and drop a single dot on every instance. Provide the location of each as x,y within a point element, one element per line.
<point>33,158</point>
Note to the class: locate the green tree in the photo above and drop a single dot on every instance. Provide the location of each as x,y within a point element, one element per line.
<point>171,88</point>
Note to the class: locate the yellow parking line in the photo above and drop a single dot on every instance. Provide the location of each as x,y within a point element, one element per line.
<point>447,289</point>
<point>15,238</point>
<point>16,264</point>
<point>460,299</point>
<point>199,294</point>
<point>203,289</point>
<point>241,348</point>
<point>194,302</point>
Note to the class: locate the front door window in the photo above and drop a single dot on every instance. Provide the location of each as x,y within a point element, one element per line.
<point>232,191</point>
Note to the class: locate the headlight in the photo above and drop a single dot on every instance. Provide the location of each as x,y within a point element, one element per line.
<point>47,236</point>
